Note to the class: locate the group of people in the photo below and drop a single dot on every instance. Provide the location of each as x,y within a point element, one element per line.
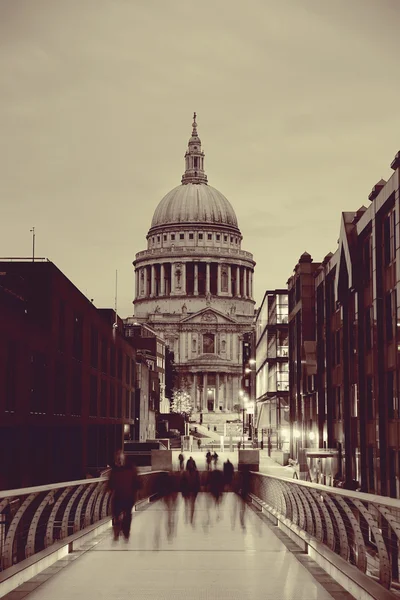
<point>124,484</point>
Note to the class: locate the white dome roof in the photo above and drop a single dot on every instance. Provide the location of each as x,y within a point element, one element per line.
<point>194,203</point>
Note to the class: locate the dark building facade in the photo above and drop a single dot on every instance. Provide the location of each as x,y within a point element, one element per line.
<point>67,378</point>
<point>272,371</point>
<point>344,343</point>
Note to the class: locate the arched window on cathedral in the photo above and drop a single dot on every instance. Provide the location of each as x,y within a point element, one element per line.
<point>223,346</point>
<point>208,343</point>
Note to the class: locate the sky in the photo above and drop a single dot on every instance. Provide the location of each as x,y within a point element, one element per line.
<point>297,111</point>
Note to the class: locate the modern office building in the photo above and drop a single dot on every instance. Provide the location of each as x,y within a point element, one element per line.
<point>344,344</point>
<point>272,370</point>
<point>194,288</point>
<point>67,378</point>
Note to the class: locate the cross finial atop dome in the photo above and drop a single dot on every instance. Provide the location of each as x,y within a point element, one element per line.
<point>194,125</point>
<point>194,159</point>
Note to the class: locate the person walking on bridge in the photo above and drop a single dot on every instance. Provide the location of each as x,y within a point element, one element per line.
<point>123,483</point>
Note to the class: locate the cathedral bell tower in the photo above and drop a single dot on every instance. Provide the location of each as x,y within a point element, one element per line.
<point>194,159</point>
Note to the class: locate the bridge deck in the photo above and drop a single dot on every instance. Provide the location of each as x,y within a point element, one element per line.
<point>218,557</point>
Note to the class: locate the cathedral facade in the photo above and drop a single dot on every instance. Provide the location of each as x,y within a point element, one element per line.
<point>194,287</point>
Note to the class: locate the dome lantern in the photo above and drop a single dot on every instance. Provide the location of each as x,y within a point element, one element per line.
<point>194,159</point>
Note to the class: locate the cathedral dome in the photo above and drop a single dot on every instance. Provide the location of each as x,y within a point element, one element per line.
<point>194,203</point>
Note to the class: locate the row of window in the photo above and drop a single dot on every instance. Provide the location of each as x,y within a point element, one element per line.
<point>200,236</point>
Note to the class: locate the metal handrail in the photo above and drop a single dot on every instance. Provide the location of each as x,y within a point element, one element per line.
<point>32,519</point>
<point>364,529</point>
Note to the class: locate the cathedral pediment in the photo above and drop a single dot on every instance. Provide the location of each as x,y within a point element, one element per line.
<point>209,316</point>
<point>208,358</point>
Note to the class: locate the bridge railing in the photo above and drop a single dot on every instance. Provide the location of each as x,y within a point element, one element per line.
<point>363,529</point>
<point>32,519</point>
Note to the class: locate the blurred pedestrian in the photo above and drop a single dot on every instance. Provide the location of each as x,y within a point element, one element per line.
<point>208,460</point>
<point>199,443</point>
<point>123,483</point>
<point>228,473</point>
<point>181,459</point>
<point>190,465</point>
<point>215,459</point>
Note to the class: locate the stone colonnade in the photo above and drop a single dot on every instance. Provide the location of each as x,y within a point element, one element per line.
<point>194,278</point>
<point>213,391</point>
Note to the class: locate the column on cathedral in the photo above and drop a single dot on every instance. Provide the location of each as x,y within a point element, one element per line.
<point>250,283</point>
<point>229,280</point>
<point>146,282</point>
<point>207,278</point>
<point>162,279</point>
<point>205,392</point>
<point>194,391</point>
<point>219,286</point>
<point>238,282</point>
<point>216,401</point>
<point>245,282</point>
<point>137,283</point>
<point>172,279</point>
<point>184,278</point>
<point>235,390</point>
<point>225,391</point>
<point>153,281</point>
<point>196,279</point>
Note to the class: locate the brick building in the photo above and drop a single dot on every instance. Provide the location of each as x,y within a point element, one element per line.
<point>344,343</point>
<point>67,378</point>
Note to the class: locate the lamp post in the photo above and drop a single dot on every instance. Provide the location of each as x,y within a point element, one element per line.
<point>33,243</point>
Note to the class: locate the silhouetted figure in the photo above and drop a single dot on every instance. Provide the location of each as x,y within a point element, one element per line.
<point>244,490</point>
<point>190,465</point>
<point>181,459</point>
<point>216,484</point>
<point>215,459</point>
<point>123,483</point>
<point>228,472</point>
<point>199,443</point>
<point>167,486</point>
<point>190,487</point>
<point>208,460</point>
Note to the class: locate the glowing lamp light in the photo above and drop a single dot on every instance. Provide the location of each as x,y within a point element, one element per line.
<point>311,435</point>
<point>296,433</point>
<point>252,361</point>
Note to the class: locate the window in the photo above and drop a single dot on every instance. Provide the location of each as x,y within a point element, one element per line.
<point>113,356</point>
<point>11,377</point>
<point>225,238</point>
<point>104,353</point>
<point>370,398</point>
<point>191,236</point>
<point>386,240</point>
<point>368,328</point>
<point>181,236</point>
<point>195,162</point>
<point>200,236</point>
<point>61,327</point>
<point>208,343</point>
<point>93,396</point>
<point>94,347</point>
<point>112,400</point>
<point>218,237</point>
<point>103,398</point>
<point>338,347</point>
<point>367,260</point>
<point>165,238</point>
<point>209,236</point>
<point>390,397</point>
<point>231,240</point>
<point>77,337</point>
<point>76,402</point>
<point>158,239</point>
<point>390,303</point>
<point>60,396</point>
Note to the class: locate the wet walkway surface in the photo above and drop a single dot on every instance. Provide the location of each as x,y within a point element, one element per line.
<point>225,554</point>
